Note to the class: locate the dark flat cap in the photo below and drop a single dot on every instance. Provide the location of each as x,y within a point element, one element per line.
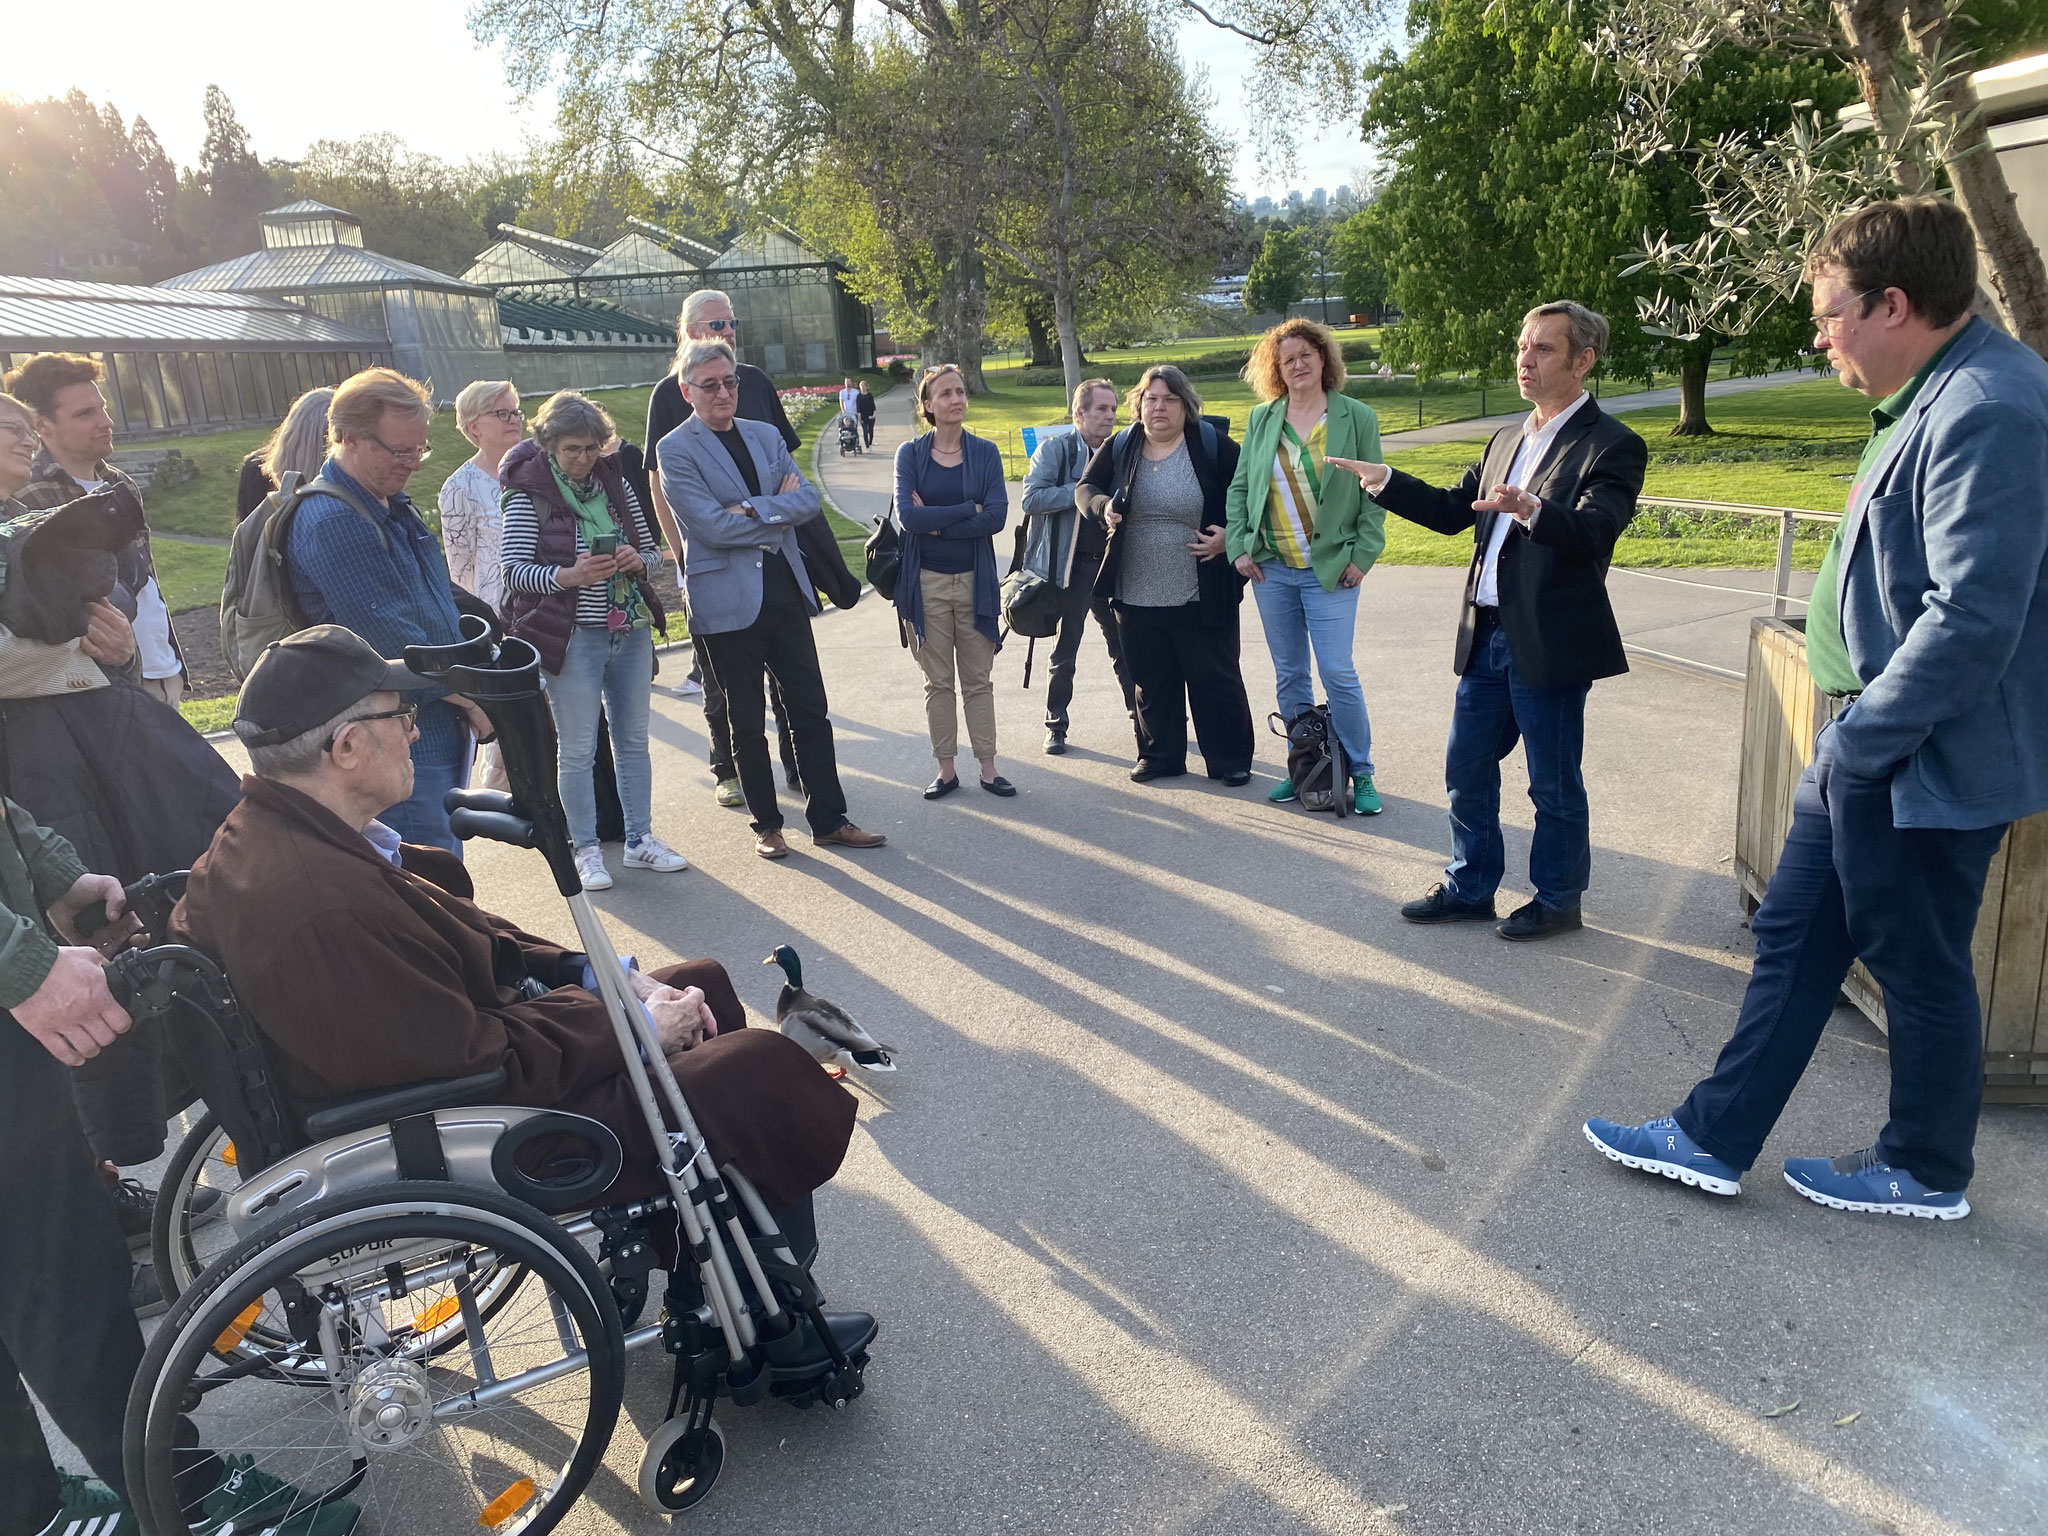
<point>306,679</point>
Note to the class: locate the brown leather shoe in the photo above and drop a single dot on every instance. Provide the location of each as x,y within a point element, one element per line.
<point>771,845</point>
<point>847,835</point>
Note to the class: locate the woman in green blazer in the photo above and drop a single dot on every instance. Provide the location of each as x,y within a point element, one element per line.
<point>1304,538</point>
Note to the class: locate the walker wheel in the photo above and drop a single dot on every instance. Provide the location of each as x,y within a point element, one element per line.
<point>666,1483</point>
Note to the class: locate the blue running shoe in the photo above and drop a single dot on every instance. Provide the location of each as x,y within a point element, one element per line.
<point>1863,1181</point>
<point>1659,1146</point>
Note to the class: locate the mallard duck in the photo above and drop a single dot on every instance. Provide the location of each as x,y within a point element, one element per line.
<point>824,1029</point>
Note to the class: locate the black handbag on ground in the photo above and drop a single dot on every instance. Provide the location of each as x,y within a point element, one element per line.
<point>1315,760</point>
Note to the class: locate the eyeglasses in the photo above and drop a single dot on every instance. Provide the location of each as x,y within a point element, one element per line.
<point>20,431</point>
<point>719,325</point>
<point>1825,322</point>
<point>511,418</point>
<point>418,455</point>
<point>727,385</point>
<point>409,713</point>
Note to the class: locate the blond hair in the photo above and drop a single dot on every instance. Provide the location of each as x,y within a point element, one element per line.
<point>477,398</point>
<point>358,407</point>
<point>1262,369</point>
<point>300,441</point>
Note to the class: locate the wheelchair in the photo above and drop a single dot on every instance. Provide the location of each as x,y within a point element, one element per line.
<point>408,1299</point>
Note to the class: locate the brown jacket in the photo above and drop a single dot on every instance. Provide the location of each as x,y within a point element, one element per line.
<point>361,975</point>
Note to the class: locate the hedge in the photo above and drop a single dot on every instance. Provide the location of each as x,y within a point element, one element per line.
<point>1207,365</point>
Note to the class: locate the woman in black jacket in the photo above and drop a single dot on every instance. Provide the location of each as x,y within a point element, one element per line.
<point>1159,486</point>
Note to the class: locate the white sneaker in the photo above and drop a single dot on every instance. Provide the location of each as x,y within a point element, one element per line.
<point>652,853</point>
<point>591,871</point>
<point>690,688</point>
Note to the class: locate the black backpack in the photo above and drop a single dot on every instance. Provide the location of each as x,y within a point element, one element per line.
<point>1315,760</point>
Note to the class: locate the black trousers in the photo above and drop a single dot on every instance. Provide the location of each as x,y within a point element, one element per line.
<point>1178,666</point>
<point>66,1328</point>
<point>718,721</point>
<point>1077,601</point>
<point>778,645</point>
<point>867,431</point>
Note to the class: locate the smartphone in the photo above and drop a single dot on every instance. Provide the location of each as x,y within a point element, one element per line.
<point>605,544</point>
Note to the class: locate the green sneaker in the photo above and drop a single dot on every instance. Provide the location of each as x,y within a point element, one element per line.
<point>89,1507</point>
<point>1365,800</point>
<point>729,793</point>
<point>1282,792</point>
<point>249,1499</point>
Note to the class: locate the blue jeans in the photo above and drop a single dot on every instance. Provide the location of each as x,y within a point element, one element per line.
<point>440,762</point>
<point>1299,616</point>
<point>1494,710</point>
<point>1849,885</point>
<point>608,671</point>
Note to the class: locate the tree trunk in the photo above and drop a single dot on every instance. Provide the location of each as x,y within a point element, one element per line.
<point>1692,390</point>
<point>1875,31</point>
<point>2012,262</point>
<point>1070,331</point>
<point>1040,337</point>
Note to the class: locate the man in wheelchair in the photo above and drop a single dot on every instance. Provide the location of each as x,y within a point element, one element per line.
<point>366,965</point>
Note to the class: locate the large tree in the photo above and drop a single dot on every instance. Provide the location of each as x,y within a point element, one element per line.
<point>237,186</point>
<point>1506,191</point>
<point>1767,197</point>
<point>1280,273</point>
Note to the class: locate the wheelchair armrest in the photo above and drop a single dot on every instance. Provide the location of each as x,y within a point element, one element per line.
<point>338,1117</point>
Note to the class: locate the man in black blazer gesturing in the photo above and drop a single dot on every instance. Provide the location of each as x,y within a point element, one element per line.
<point>1535,629</point>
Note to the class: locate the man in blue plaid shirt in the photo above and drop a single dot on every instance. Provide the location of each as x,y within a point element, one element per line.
<point>364,558</point>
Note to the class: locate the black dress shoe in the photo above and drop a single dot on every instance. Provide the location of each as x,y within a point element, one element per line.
<point>1055,743</point>
<point>1440,906</point>
<point>802,1352</point>
<point>999,786</point>
<point>1536,921</point>
<point>938,789</point>
<point>1146,771</point>
<point>1236,780</point>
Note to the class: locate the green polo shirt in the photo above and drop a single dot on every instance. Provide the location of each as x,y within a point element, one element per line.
<point>1827,654</point>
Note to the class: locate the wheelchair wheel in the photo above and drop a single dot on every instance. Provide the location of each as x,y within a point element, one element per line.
<point>667,1480</point>
<point>185,1240</point>
<point>501,1426</point>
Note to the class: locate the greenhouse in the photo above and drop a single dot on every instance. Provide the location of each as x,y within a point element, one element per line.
<point>177,361</point>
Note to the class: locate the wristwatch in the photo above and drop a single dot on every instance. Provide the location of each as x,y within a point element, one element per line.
<point>747,507</point>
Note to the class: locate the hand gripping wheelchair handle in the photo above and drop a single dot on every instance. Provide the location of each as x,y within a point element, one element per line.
<point>502,676</point>
<point>149,899</point>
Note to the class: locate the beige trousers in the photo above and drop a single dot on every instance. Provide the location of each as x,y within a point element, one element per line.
<point>170,689</point>
<point>957,659</point>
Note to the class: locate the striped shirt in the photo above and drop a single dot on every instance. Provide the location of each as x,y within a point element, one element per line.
<point>520,540</point>
<point>1294,500</point>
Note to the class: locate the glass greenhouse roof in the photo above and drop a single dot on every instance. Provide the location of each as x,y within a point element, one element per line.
<point>38,313</point>
<point>307,268</point>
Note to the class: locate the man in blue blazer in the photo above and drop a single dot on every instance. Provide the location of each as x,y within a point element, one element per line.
<point>1930,616</point>
<point>739,497</point>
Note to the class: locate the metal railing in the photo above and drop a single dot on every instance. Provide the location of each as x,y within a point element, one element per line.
<point>1788,520</point>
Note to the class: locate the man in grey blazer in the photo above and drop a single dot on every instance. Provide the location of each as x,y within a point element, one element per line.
<point>1930,616</point>
<point>739,496</point>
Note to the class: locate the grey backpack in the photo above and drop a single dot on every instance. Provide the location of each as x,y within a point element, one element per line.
<point>256,603</point>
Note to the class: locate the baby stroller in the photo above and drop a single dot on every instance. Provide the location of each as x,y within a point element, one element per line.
<point>401,1314</point>
<point>849,436</point>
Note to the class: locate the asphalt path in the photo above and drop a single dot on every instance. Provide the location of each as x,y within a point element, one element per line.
<point>1211,1197</point>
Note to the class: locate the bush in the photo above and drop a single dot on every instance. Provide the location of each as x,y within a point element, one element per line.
<point>899,370</point>
<point>1224,364</point>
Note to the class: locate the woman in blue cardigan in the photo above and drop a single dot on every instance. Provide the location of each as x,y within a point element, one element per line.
<point>951,503</point>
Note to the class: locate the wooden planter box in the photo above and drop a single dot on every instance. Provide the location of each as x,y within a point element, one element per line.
<point>1782,713</point>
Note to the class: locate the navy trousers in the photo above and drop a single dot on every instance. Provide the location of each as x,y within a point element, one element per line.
<point>1850,885</point>
<point>1494,710</point>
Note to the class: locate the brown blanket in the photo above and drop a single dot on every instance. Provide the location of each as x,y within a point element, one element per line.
<point>362,975</point>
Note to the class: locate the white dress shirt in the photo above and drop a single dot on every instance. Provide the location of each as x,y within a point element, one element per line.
<point>1529,455</point>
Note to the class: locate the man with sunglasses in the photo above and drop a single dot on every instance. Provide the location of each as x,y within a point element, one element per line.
<point>360,555</point>
<point>1929,621</point>
<point>707,316</point>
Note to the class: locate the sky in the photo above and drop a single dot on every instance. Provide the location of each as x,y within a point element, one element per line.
<point>291,73</point>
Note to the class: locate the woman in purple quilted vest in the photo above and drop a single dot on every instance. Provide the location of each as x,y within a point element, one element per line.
<point>577,549</point>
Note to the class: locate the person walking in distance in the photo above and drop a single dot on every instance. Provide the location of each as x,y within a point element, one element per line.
<point>1049,487</point>
<point>707,316</point>
<point>1535,629</point>
<point>1929,620</point>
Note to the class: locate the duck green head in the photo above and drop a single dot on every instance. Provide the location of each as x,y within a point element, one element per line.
<point>792,967</point>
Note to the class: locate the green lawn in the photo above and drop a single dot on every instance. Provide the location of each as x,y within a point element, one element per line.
<point>1792,446</point>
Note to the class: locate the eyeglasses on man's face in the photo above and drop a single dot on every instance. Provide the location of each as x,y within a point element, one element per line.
<point>1826,321</point>
<point>724,384</point>
<point>418,455</point>
<point>724,327</point>
<point>407,714</point>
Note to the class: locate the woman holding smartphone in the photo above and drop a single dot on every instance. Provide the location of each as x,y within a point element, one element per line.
<point>577,548</point>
